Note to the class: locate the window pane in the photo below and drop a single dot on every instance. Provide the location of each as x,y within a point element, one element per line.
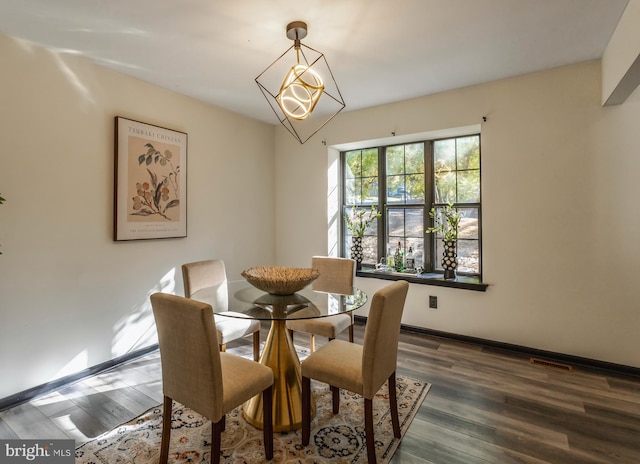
<point>353,164</point>
<point>369,249</point>
<point>406,226</point>
<point>468,186</point>
<point>414,223</point>
<point>395,224</point>
<point>414,158</point>
<point>353,187</point>
<point>370,190</point>
<point>444,152</point>
<point>395,160</point>
<point>446,188</point>
<point>468,256</point>
<point>468,223</point>
<point>415,188</point>
<point>395,189</point>
<point>468,152</point>
<point>370,162</point>
<point>361,176</point>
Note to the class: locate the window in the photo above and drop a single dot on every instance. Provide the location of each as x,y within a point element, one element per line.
<point>416,177</point>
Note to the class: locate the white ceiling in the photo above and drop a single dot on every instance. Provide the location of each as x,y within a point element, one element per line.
<point>379,50</point>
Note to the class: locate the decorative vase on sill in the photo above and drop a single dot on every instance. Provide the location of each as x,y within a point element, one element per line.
<point>449,259</point>
<point>356,251</point>
<point>446,220</point>
<point>357,223</point>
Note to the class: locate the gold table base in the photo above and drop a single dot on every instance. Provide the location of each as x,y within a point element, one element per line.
<point>280,355</point>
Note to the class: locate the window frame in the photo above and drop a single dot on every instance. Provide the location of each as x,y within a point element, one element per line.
<point>429,240</point>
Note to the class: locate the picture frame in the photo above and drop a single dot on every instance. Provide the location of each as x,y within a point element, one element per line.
<point>150,181</point>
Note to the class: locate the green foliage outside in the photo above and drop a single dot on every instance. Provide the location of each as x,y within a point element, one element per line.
<point>362,176</point>
<point>457,170</point>
<point>405,173</point>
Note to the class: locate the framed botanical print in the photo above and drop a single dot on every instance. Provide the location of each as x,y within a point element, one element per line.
<point>150,193</point>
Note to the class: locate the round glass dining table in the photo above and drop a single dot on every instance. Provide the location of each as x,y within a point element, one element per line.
<point>245,301</point>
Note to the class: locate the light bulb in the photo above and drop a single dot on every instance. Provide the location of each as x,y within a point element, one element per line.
<point>300,91</point>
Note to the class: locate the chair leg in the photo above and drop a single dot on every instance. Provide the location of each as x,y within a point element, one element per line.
<point>256,346</point>
<point>166,430</point>
<point>335,398</point>
<point>216,435</point>
<point>393,405</point>
<point>306,410</point>
<point>267,427</point>
<point>368,431</point>
<point>312,342</point>
<point>351,332</point>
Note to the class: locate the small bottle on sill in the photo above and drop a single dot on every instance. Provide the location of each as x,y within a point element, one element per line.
<point>409,261</point>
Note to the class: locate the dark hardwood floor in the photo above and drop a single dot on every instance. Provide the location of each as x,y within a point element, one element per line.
<point>484,406</point>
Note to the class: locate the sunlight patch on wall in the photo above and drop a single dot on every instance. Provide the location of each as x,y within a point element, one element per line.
<point>25,45</point>
<point>78,363</point>
<point>333,202</point>
<point>138,329</point>
<point>74,79</point>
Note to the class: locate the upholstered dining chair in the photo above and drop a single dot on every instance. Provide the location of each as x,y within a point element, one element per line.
<point>211,274</point>
<point>196,374</point>
<point>361,369</point>
<point>336,275</point>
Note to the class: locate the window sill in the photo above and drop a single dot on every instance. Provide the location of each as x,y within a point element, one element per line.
<point>463,282</point>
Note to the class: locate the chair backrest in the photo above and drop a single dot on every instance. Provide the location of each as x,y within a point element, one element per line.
<point>203,275</point>
<point>381,333</point>
<point>189,353</point>
<point>336,274</point>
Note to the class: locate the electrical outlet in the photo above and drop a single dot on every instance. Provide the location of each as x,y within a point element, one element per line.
<point>433,302</point>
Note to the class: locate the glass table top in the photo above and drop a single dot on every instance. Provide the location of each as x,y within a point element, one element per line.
<point>243,300</point>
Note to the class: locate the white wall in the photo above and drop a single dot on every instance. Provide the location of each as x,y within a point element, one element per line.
<point>560,218</point>
<point>70,297</point>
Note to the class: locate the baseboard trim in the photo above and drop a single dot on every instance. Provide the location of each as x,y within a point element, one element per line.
<point>608,367</point>
<point>31,393</point>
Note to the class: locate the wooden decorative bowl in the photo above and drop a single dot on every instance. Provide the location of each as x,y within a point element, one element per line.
<point>280,280</point>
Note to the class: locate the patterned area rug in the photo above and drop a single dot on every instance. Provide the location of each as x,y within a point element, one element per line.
<point>334,438</point>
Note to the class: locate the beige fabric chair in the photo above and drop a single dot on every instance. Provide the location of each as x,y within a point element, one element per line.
<point>210,274</point>
<point>196,374</point>
<point>361,369</point>
<point>336,275</point>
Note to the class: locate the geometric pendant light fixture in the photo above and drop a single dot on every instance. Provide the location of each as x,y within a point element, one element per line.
<point>300,87</point>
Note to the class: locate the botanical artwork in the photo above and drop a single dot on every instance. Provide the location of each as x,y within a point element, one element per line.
<point>150,199</point>
<point>154,181</point>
